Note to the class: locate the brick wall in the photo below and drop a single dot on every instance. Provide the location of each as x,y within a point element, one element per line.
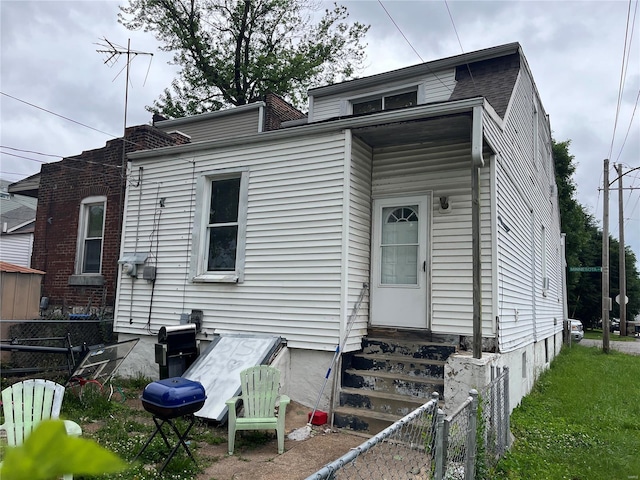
<point>278,111</point>
<point>63,186</point>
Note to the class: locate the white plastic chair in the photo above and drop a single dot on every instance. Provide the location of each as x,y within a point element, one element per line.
<point>27,403</point>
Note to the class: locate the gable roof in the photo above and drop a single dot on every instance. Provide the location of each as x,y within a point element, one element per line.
<point>11,268</point>
<point>417,70</point>
<point>16,211</point>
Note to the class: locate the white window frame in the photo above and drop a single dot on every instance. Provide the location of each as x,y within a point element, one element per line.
<point>382,95</point>
<point>198,265</point>
<point>82,228</point>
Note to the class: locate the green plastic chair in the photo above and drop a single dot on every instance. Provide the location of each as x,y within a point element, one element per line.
<point>27,403</point>
<point>259,398</point>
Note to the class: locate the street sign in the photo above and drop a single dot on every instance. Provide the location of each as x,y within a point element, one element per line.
<point>626,299</point>
<point>585,269</point>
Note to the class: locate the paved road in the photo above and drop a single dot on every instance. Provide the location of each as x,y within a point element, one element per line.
<point>632,348</point>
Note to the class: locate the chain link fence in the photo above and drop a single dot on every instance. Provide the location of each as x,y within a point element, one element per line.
<point>48,348</point>
<point>493,420</point>
<point>427,445</point>
<point>403,450</point>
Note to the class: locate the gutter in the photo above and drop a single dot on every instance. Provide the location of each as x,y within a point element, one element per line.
<point>394,116</point>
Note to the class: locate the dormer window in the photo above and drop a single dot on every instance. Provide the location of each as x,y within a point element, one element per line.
<point>385,102</point>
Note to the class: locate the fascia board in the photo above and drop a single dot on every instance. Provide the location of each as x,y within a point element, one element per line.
<point>395,116</point>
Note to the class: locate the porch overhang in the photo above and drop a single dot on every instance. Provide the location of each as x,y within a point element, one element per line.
<point>402,116</point>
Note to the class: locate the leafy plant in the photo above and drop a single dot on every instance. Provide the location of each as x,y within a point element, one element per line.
<point>49,453</point>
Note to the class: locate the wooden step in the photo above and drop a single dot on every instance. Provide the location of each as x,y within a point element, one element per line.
<point>394,383</point>
<point>399,364</point>
<point>380,402</point>
<point>408,348</point>
<point>361,420</point>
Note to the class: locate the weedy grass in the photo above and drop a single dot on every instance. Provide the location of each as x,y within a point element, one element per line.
<point>124,430</point>
<point>580,422</point>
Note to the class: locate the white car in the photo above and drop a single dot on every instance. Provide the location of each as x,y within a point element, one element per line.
<point>577,332</point>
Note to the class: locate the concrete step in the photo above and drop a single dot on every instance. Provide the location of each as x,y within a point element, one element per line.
<point>379,402</point>
<point>361,420</point>
<point>398,364</point>
<point>392,383</point>
<point>408,348</point>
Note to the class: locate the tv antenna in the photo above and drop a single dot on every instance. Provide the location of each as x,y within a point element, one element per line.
<point>113,53</point>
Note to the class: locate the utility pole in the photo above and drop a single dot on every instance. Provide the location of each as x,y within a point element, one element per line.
<point>606,302</point>
<point>622,272</point>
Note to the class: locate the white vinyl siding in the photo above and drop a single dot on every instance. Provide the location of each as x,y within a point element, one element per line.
<point>526,202</point>
<point>359,238</point>
<point>444,170</point>
<point>16,248</point>
<point>431,88</point>
<point>293,243</point>
<point>216,127</point>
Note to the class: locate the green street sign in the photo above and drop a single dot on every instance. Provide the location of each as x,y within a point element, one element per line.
<point>585,269</point>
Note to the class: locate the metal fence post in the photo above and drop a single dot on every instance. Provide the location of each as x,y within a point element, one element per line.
<point>507,411</point>
<point>441,447</point>
<point>470,464</point>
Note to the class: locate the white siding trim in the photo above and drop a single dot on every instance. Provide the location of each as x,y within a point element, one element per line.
<point>493,181</point>
<point>346,229</point>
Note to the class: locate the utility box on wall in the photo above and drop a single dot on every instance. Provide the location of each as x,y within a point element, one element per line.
<point>20,292</point>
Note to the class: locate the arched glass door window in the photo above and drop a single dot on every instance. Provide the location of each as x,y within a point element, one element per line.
<point>399,246</point>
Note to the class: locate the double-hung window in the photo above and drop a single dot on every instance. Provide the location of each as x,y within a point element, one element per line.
<point>220,227</point>
<point>90,235</point>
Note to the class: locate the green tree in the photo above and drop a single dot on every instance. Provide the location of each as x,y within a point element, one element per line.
<point>233,52</point>
<point>584,248</point>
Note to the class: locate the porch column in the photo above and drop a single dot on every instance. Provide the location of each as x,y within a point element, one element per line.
<point>476,162</point>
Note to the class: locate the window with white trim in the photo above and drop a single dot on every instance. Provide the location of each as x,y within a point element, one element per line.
<point>90,235</point>
<point>220,226</point>
<point>384,102</point>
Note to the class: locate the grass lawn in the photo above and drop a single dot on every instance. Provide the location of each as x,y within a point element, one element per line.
<point>580,422</point>
<point>613,337</point>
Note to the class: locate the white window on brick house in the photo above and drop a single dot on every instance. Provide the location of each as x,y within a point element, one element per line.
<point>219,231</point>
<point>90,235</point>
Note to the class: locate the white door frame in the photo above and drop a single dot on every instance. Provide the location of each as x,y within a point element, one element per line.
<point>401,305</point>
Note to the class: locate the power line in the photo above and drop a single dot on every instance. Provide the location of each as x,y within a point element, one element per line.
<point>73,121</point>
<point>69,167</point>
<point>57,114</point>
<point>31,151</point>
<point>400,30</point>
<point>415,51</point>
<point>629,127</point>
<point>454,25</point>
<point>623,69</point>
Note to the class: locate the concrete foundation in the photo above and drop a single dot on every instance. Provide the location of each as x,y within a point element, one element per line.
<point>463,372</point>
<point>302,371</point>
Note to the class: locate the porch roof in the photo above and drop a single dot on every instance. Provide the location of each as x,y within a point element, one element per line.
<point>406,119</point>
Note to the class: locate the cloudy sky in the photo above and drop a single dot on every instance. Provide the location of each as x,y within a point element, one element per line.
<point>50,69</point>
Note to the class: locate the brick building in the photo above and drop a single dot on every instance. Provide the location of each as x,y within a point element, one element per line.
<point>78,222</point>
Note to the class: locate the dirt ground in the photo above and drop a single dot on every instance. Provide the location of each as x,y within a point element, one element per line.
<point>300,459</point>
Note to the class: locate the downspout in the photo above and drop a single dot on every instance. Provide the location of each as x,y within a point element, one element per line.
<point>476,162</point>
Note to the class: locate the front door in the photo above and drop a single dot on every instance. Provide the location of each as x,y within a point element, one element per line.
<point>400,264</point>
